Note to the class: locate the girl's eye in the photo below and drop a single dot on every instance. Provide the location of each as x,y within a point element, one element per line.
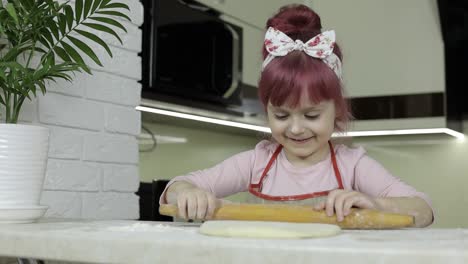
<point>312,116</point>
<point>281,117</point>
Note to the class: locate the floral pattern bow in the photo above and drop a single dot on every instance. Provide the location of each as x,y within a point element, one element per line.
<point>321,46</point>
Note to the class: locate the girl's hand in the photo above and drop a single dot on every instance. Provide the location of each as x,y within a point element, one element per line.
<point>195,203</point>
<point>340,201</point>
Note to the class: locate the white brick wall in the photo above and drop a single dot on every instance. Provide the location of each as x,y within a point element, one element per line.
<point>92,170</point>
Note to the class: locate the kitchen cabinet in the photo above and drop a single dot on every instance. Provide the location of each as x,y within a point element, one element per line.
<point>389,47</point>
<point>119,241</point>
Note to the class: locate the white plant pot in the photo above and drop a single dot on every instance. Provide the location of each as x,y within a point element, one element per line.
<point>23,162</point>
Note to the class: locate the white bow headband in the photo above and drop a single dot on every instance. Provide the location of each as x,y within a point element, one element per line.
<point>321,46</point>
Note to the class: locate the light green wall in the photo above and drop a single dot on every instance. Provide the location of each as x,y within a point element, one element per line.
<point>437,167</point>
<point>204,148</point>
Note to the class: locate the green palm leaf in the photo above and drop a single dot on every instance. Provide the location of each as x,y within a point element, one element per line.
<point>25,92</point>
<point>62,21</point>
<point>38,75</point>
<point>44,42</point>
<point>86,49</point>
<point>116,5</point>
<point>75,56</point>
<point>13,53</point>
<point>78,10</point>
<point>42,87</point>
<point>69,15</point>
<point>103,29</point>
<point>48,36</point>
<point>96,39</point>
<point>53,28</point>
<point>61,76</point>
<point>62,54</point>
<point>40,50</point>
<point>109,21</point>
<point>114,13</point>
<point>10,8</point>
<point>87,8</point>
<point>13,65</point>
<point>95,5</point>
<point>28,4</point>
<point>28,88</point>
<point>104,2</point>
<point>47,60</point>
<point>2,73</point>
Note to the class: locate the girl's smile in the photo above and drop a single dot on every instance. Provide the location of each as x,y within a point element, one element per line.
<point>300,141</point>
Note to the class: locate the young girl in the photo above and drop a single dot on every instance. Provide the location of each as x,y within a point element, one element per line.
<point>301,89</point>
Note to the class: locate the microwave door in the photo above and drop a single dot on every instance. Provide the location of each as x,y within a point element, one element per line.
<point>235,63</point>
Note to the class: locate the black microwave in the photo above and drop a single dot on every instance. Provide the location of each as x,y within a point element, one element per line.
<point>190,55</point>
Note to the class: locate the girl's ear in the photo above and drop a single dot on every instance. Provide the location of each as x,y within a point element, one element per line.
<point>338,124</point>
<point>342,122</point>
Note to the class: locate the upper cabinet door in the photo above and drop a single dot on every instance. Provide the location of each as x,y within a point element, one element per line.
<point>252,12</point>
<point>390,47</point>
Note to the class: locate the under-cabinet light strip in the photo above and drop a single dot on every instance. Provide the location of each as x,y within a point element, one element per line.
<point>417,131</point>
<point>448,131</point>
<point>203,119</point>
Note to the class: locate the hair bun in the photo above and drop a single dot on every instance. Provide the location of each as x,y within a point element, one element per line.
<point>297,21</point>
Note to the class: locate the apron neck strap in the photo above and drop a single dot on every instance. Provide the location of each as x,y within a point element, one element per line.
<point>256,188</point>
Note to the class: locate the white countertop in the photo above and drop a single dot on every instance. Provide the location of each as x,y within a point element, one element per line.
<point>164,242</point>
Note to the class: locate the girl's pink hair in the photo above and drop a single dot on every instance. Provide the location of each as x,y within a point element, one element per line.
<point>285,79</point>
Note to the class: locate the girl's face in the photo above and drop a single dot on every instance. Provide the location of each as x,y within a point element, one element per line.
<point>303,131</point>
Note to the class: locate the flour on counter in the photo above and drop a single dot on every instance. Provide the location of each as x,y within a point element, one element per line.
<point>151,227</point>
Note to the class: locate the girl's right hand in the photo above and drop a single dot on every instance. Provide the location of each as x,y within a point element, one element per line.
<point>193,202</point>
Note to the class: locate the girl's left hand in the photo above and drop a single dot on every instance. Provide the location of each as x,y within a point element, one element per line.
<point>340,201</point>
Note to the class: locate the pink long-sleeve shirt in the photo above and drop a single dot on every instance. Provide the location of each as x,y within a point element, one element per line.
<point>359,172</point>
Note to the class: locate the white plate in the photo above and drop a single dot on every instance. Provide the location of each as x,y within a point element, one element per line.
<point>23,214</point>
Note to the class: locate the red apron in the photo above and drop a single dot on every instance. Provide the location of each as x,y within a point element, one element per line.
<point>309,198</point>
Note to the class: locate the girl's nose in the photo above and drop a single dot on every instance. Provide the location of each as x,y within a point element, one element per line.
<point>296,127</point>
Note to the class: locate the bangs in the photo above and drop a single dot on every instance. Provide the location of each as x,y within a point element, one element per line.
<point>286,79</point>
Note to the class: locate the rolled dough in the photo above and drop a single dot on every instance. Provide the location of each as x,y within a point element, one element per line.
<point>259,229</point>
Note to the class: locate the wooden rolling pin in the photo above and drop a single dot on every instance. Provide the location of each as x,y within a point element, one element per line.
<point>357,219</point>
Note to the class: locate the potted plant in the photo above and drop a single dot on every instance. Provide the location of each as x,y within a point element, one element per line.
<point>41,41</point>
